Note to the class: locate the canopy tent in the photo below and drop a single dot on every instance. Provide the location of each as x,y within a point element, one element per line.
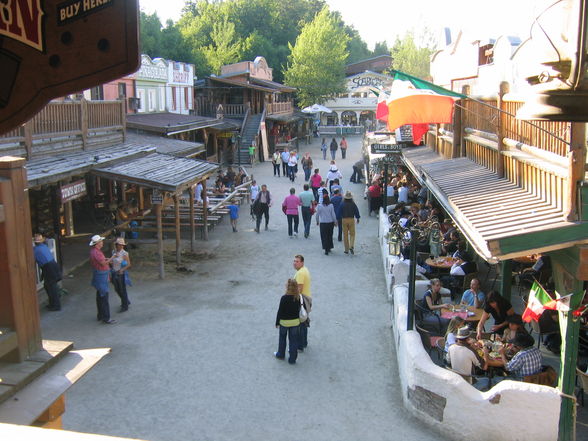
<point>316,108</point>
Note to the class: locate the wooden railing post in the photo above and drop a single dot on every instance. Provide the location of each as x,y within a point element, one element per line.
<point>576,169</point>
<point>123,118</point>
<point>28,138</point>
<point>84,121</point>
<point>500,131</point>
<point>465,90</point>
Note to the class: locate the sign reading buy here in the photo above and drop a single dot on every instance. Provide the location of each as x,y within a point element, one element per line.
<point>74,9</point>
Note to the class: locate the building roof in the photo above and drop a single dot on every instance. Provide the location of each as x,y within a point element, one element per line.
<point>288,117</point>
<point>160,171</point>
<point>378,63</point>
<point>52,169</point>
<point>272,84</point>
<point>499,219</point>
<point>169,146</point>
<point>170,123</point>
<point>246,85</point>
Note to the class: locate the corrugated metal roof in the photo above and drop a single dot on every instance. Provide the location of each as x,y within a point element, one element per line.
<point>272,84</point>
<point>54,168</point>
<point>169,122</point>
<point>491,211</point>
<point>163,172</point>
<point>169,146</point>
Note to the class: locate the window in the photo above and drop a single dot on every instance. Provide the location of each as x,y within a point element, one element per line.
<point>173,95</point>
<point>141,96</point>
<point>122,90</point>
<point>161,99</point>
<point>97,93</point>
<point>152,100</point>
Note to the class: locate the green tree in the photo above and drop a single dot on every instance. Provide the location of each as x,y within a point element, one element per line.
<point>381,48</point>
<point>225,46</point>
<point>150,34</point>
<point>410,58</point>
<point>357,48</point>
<point>316,65</point>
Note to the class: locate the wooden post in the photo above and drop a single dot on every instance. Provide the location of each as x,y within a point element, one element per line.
<point>158,209</point>
<point>84,122</point>
<point>576,172</point>
<point>141,199</point>
<point>500,130</point>
<point>204,211</point>
<point>19,307</point>
<point>123,118</point>
<point>566,268</point>
<point>192,223</point>
<point>457,132</point>
<point>28,139</point>
<point>123,189</point>
<point>178,238</point>
<point>465,90</point>
<point>506,279</point>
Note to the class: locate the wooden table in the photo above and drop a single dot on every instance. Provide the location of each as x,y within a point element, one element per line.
<point>449,314</point>
<point>526,260</point>
<point>441,262</point>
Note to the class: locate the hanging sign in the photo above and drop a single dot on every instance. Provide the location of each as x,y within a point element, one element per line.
<point>386,148</point>
<point>52,48</point>
<point>156,197</point>
<point>72,191</point>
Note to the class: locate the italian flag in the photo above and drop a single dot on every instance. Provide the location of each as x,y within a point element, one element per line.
<point>538,302</point>
<point>415,101</point>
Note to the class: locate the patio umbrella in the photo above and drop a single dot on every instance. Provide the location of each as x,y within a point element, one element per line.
<point>315,108</point>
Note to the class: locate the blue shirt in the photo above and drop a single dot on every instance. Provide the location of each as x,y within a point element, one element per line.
<point>42,254</point>
<point>234,211</point>
<point>468,298</point>
<point>336,201</point>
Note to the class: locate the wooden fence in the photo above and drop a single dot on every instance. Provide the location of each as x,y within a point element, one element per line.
<point>531,154</point>
<point>67,126</point>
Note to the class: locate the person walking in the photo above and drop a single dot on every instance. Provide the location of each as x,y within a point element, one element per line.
<point>333,174</point>
<point>253,192</point>
<point>288,322</point>
<point>326,218</point>
<point>307,199</point>
<point>333,148</point>
<point>348,212</point>
<point>252,148</point>
<point>261,207</point>
<point>233,215</point>
<point>306,166</point>
<point>100,273</point>
<point>285,159</point>
<point>302,278</point>
<point>336,200</point>
<point>324,149</point>
<point>120,262</point>
<point>292,165</point>
<point>277,162</point>
<point>343,145</point>
<point>290,207</point>
<point>315,183</point>
<point>50,271</point>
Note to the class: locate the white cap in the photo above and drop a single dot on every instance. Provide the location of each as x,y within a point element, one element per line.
<point>95,239</point>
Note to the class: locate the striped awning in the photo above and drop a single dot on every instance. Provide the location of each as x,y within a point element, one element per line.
<point>499,219</point>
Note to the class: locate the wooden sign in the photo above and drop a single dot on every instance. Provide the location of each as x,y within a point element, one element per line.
<point>72,191</point>
<point>156,197</point>
<point>51,48</point>
<point>386,148</point>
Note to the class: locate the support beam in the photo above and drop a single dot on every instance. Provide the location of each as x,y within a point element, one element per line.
<point>158,209</point>
<point>504,89</point>
<point>204,211</point>
<point>192,222</point>
<point>177,226</point>
<point>506,279</point>
<point>577,163</point>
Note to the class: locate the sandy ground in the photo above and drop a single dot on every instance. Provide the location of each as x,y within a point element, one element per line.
<point>193,357</point>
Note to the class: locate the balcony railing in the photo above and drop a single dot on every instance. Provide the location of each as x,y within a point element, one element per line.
<point>67,126</point>
<point>276,108</point>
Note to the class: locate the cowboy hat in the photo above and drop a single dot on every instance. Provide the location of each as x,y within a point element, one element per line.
<point>348,195</point>
<point>120,241</point>
<point>463,333</point>
<point>95,239</point>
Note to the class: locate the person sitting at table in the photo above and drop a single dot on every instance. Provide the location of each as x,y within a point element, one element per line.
<point>549,326</point>
<point>450,245</point>
<point>420,267</point>
<point>454,325</point>
<point>463,359</point>
<point>447,228</point>
<point>528,359</point>
<point>219,187</point>
<point>473,296</point>
<point>431,305</point>
<point>499,308</point>
<point>514,325</point>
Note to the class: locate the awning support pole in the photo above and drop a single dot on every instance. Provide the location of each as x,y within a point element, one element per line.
<point>192,223</point>
<point>158,209</point>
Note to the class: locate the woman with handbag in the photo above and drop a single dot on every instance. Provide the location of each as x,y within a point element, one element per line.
<point>120,264</point>
<point>326,219</point>
<point>288,322</point>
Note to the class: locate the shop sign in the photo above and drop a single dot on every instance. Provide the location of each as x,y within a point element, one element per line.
<point>392,160</point>
<point>225,135</point>
<point>73,191</point>
<point>367,81</point>
<point>181,77</point>
<point>76,9</point>
<point>386,148</point>
<point>156,197</point>
<point>152,73</point>
<point>23,22</point>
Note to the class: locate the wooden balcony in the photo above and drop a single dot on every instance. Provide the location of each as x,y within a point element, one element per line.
<point>67,126</point>
<point>276,108</point>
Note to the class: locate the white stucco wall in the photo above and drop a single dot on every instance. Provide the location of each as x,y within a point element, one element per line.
<point>510,411</point>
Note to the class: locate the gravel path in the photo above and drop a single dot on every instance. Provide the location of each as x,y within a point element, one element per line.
<point>193,358</point>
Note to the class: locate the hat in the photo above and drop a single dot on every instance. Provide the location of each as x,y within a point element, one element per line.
<point>463,333</point>
<point>95,239</point>
<point>348,195</point>
<point>120,241</point>
<point>522,340</point>
<point>515,319</point>
<point>333,167</point>
<point>38,238</point>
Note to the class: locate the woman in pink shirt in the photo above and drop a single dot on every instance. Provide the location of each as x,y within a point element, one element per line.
<point>290,208</point>
<point>315,183</point>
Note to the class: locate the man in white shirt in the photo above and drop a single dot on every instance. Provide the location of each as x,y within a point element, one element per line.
<point>402,193</point>
<point>463,359</point>
<point>198,194</point>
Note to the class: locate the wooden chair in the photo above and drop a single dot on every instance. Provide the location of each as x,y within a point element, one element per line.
<point>429,341</point>
<point>420,314</point>
<point>546,377</point>
<point>537,329</point>
<point>440,346</point>
<point>583,377</point>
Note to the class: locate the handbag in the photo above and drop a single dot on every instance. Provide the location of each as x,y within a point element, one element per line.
<point>302,314</point>
<point>312,207</point>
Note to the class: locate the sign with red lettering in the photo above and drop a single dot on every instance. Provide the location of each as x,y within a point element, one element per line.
<point>51,48</point>
<point>72,191</point>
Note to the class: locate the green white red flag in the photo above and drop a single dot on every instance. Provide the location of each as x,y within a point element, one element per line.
<point>415,101</point>
<point>539,301</point>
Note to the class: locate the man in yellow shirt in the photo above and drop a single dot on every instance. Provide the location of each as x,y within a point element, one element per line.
<point>302,277</point>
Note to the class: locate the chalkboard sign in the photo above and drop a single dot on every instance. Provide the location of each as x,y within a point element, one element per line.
<point>404,133</point>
